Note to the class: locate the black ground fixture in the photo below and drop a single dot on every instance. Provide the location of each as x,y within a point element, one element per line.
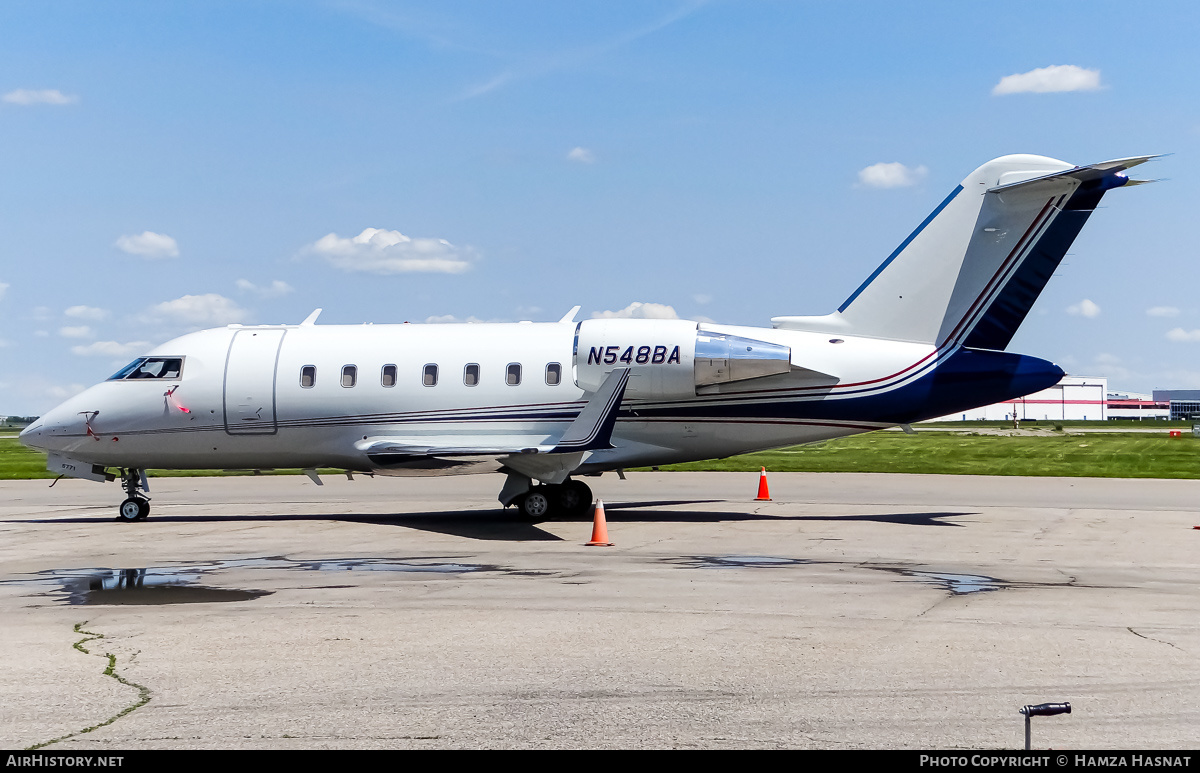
<point>1042,710</point>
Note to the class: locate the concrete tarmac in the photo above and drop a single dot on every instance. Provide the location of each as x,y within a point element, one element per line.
<point>852,611</point>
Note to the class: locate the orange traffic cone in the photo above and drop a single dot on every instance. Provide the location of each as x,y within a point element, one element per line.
<point>600,527</point>
<point>763,494</point>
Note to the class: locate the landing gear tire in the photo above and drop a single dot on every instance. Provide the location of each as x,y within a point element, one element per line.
<point>136,505</point>
<point>537,504</point>
<point>574,498</point>
<point>134,509</point>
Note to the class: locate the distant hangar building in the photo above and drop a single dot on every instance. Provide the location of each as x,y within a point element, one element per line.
<point>1074,398</point>
<point>1183,404</point>
<point>1083,398</point>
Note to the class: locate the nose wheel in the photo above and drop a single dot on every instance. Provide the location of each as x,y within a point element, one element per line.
<point>136,505</point>
<point>134,509</point>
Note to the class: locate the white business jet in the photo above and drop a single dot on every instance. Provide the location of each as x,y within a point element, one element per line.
<point>549,403</point>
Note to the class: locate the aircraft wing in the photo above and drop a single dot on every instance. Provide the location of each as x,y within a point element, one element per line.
<point>591,430</point>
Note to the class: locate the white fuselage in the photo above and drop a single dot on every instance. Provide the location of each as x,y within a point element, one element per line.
<point>244,398</point>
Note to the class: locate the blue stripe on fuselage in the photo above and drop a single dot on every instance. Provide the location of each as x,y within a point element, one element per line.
<point>967,379</point>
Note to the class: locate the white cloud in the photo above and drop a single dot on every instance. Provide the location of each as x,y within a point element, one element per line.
<point>449,319</point>
<point>581,156</point>
<point>149,245</point>
<point>78,331</point>
<point>87,312</point>
<point>110,348</point>
<point>276,289</point>
<point>1058,77</point>
<point>1162,311</point>
<point>3,288</point>
<point>1084,308</point>
<point>378,251</point>
<point>893,175</point>
<point>39,97</point>
<point>639,310</point>
<point>207,309</point>
<point>1179,335</point>
<point>702,299</point>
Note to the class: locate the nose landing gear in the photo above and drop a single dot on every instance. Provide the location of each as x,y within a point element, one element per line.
<point>136,505</point>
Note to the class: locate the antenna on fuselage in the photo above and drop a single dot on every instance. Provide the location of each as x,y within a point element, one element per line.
<point>311,319</point>
<point>570,315</point>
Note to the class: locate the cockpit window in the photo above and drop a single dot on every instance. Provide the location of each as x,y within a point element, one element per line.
<point>150,367</point>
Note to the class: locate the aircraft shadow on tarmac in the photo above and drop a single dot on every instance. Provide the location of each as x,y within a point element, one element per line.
<point>507,525</point>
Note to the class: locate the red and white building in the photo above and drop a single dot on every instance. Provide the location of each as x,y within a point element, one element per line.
<point>1074,398</point>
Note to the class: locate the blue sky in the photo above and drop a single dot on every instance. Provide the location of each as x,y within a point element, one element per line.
<point>172,166</point>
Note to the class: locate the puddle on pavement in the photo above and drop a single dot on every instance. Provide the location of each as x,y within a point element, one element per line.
<point>386,565</point>
<point>956,584</point>
<point>184,584</point>
<point>700,562</point>
<point>143,586</point>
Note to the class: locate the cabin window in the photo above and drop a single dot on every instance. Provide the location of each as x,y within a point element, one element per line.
<point>150,367</point>
<point>429,378</point>
<point>388,379</point>
<point>512,376</point>
<point>308,376</point>
<point>349,375</point>
<point>471,374</point>
<point>553,373</point>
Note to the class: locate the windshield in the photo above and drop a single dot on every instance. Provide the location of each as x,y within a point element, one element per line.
<point>150,367</point>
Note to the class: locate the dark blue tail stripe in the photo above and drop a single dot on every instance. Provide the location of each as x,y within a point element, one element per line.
<point>998,326</point>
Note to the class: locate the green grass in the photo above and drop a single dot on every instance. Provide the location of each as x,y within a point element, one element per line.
<point>1099,455</point>
<point>946,453</point>
<point>1157,424</point>
<point>20,463</point>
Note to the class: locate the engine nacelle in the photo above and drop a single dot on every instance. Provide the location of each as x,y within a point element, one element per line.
<point>670,358</point>
<point>659,353</point>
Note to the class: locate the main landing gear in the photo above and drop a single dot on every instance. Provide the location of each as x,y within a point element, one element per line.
<point>561,500</point>
<point>136,505</point>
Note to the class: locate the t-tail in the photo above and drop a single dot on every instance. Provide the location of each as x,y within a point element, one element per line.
<point>969,274</point>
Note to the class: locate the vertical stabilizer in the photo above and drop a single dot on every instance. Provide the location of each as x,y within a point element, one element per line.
<point>971,271</point>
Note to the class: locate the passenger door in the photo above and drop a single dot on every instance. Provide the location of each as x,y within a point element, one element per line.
<point>250,382</point>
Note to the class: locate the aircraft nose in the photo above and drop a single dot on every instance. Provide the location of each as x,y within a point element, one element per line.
<point>48,432</point>
<point>31,436</point>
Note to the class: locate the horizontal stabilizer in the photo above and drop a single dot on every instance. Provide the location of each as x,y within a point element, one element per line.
<point>1084,173</point>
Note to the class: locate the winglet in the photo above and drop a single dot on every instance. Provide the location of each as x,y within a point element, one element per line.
<point>593,427</point>
<point>311,319</point>
<point>570,315</point>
